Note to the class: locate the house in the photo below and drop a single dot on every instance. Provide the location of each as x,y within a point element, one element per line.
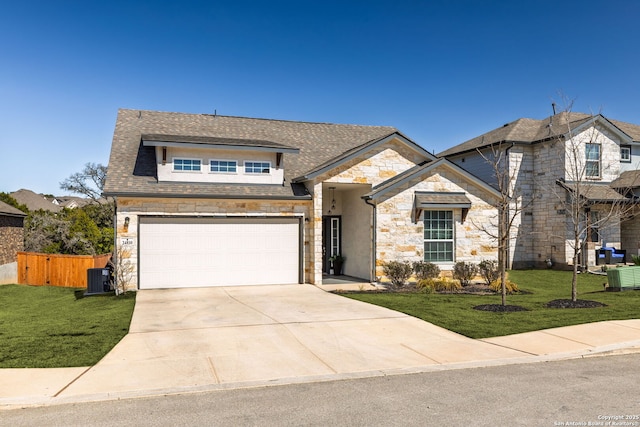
<point>549,159</point>
<point>210,200</point>
<point>35,201</point>
<point>11,241</point>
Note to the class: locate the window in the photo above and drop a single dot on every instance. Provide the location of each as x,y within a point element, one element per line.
<point>438,236</point>
<point>186,165</point>
<point>257,167</point>
<point>221,166</point>
<point>592,166</point>
<point>625,154</point>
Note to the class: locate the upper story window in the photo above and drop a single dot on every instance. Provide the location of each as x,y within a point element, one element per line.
<point>438,236</point>
<point>257,167</point>
<point>625,154</point>
<point>191,165</point>
<point>592,165</point>
<point>229,166</point>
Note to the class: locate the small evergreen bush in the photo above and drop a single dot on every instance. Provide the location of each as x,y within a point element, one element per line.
<point>425,270</point>
<point>397,272</point>
<point>464,272</point>
<point>489,270</point>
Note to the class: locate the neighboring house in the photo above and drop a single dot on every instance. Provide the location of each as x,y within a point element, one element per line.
<point>71,202</point>
<point>544,167</point>
<point>11,233</point>
<point>208,200</point>
<point>35,201</point>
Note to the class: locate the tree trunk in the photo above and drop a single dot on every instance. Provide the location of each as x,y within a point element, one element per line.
<point>574,279</point>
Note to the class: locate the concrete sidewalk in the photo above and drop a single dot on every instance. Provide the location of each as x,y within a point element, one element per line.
<point>189,340</point>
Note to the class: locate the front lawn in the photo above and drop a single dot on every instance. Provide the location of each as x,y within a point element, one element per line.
<point>455,311</point>
<point>47,327</point>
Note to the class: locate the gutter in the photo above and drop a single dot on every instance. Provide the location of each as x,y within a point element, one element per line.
<point>205,196</point>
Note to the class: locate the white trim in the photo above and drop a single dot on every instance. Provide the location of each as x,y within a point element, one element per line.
<point>224,160</point>
<point>452,240</point>
<point>628,149</point>
<point>193,159</point>
<point>244,167</point>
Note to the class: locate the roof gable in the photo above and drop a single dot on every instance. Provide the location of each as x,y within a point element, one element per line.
<point>361,150</point>
<point>424,169</point>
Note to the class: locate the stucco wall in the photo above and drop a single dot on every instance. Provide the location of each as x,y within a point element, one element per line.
<point>166,172</point>
<point>356,234</point>
<point>127,237</point>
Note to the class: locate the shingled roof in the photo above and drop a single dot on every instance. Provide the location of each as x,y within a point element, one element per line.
<point>529,131</point>
<point>132,168</point>
<point>34,201</point>
<point>8,210</point>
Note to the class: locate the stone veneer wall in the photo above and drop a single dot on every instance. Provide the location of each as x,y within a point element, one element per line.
<point>630,236</point>
<point>552,160</point>
<point>377,166</point>
<point>11,238</point>
<point>399,239</point>
<point>134,207</point>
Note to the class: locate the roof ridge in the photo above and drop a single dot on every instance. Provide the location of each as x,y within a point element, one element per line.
<point>257,118</point>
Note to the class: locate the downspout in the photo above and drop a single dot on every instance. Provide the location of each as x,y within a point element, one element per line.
<point>373,277</point>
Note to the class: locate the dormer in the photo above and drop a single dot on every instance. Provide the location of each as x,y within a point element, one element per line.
<point>182,158</point>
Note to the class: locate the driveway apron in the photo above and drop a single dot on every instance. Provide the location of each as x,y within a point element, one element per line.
<point>199,337</point>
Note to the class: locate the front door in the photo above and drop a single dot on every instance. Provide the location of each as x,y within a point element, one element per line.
<point>331,240</point>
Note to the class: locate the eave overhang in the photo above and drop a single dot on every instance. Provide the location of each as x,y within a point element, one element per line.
<point>216,143</point>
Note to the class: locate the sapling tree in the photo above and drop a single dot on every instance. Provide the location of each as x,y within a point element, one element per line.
<point>510,204</point>
<point>586,204</point>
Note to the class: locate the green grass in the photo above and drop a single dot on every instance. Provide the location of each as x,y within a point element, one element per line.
<point>47,327</point>
<point>455,311</point>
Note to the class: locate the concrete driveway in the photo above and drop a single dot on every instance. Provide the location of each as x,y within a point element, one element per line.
<point>186,339</point>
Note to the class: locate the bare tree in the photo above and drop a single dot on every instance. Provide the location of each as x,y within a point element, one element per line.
<point>89,182</point>
<point>510,204</point>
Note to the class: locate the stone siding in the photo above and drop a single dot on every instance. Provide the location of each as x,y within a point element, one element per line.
<point>630,236</point>
<point>11,238</point>
<point>399,239</point>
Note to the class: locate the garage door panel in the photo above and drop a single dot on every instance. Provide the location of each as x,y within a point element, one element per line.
<point>192,252</point>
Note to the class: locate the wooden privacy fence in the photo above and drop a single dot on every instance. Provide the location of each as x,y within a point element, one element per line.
<point>67,271</point>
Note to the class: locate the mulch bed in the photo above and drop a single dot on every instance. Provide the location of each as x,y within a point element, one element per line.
<point>581,303</point>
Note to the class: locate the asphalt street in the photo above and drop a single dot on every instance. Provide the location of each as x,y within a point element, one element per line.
<point>590,391</point>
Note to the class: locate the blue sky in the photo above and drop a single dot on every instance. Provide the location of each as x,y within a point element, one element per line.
<point>441,72</point>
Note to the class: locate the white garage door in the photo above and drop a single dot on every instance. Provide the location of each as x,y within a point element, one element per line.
<point>193,252</point>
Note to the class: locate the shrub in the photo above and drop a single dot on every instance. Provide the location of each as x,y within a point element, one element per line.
<point>425,270</point>
<point>445,284</point>
<point>496,286</point>
<point>398,272</point>
<point>464,272</point>
<point>635,259</point>
<point>489,270</point>
<point>428,286</point>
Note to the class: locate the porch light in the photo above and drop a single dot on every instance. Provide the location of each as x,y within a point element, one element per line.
<point>333,199</point>
<point>126,223</point>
